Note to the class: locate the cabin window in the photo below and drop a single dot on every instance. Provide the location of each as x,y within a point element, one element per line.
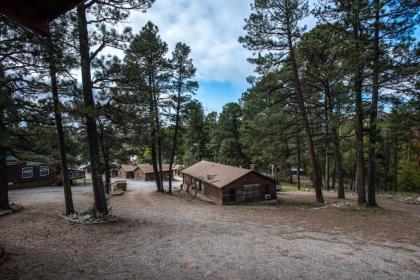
<point>44,171</point>
<point>27,172</point>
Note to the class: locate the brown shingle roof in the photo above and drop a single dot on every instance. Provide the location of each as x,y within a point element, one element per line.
<point>128,167</point>
<point>216,174</point>
<point>146,168</point>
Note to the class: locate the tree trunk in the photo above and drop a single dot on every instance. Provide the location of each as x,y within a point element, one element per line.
<point>89,103</point>
<point>68,198</point>
<point>327,145</point>
<point>298,160</point>
<point>158,140</point>
<point>153,141</point>
<point>374,113</point>
<point>358,88</point>
<point>338,164</point>
<point>317,178</point>
<point>387,158</point>
<point>4,188</point>
<point>334,175</point>
<point>173,152</point>
<point>105,156</point>
<point>338,158</point>
<point>395,182</point>
<point>407,166</point>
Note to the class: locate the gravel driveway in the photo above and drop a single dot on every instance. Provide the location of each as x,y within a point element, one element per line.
<point>161,236</point>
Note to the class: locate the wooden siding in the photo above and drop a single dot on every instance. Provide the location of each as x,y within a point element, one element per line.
<point>140,175</point>
<point>214,193</point>
<point>223,195</point>
<point>16,181</point>
<point>125,174</point>
<point>266,186</point>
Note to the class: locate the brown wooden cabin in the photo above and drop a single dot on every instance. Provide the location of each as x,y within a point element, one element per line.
<point>141,171</point>
<point>226,184</point>
<point>126,171</point>
<point>30,175</point>
<point>145,172</point>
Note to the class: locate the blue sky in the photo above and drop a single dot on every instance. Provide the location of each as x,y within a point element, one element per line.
<point>211,28</point>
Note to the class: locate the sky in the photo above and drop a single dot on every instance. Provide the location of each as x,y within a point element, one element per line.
<point>211,28</point>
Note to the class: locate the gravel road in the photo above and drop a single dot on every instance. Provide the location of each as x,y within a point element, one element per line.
<point>161,236</point>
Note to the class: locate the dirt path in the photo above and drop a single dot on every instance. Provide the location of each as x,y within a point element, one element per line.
<point>179,237</point>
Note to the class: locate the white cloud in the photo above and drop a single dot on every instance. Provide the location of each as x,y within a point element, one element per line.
<point>210,28</point>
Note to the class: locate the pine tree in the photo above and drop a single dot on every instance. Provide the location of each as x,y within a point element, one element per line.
<point>103,14</point>
<point>183,87</point>
<point>273,27</point>
<point>145,63</point>
<point>323,52</point>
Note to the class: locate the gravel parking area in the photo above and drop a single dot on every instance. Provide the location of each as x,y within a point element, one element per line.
<point>161,236</point>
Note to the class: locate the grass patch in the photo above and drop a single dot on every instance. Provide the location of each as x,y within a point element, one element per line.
<point>287,187</point>
<point>82,182</point>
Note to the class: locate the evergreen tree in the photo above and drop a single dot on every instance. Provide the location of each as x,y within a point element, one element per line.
<point>272,31</point>
<point>103,14</point>
<point>229,123</point>
<point>183,87</point>
<point>193,139</point>
<point>145,63</point>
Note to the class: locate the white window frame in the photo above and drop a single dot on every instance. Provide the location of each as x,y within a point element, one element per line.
<point>26,169</point>
<point>43,169</point>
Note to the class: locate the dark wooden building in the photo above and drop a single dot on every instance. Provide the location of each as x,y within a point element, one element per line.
<point>30,175</point>
<point>226,184</point>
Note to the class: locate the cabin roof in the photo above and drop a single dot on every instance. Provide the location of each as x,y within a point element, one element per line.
<point>36,14</point>
<point>217,174</point>
<point>148,168</point>
<point>128,167</point>
<point>145,167</point>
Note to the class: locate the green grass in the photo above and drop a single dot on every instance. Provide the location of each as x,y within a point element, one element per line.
<point>81,182</point>
<point>287,187</point>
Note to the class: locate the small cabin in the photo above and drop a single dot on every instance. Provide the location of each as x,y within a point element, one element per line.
<point>30,174</point>
<point>126,171</point>
<point>145,172</point>
<point>226,184</point>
